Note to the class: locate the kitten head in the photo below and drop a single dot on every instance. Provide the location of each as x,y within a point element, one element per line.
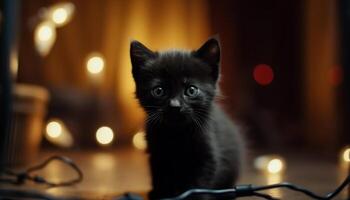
<point>176,85</point>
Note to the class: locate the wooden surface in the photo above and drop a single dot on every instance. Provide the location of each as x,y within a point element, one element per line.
<point>108,174</point>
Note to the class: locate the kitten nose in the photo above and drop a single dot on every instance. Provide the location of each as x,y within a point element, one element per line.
<point>175,103</point>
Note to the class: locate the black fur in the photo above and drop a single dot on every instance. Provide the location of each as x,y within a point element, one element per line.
<point>191,141</point>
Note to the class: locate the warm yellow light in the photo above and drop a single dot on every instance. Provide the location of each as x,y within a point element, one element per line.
<point>139,141</point>
<point>346,154</point>
<point>57,133</point>
<point>45,32</point>
<point>59,16</point>
<point>95,64</point>
<point>271,164</point>
<point>104,161</point>
<point>104,135</point>
<point>275,166</point>
<point>61,13</point>
<point>53,129</point>
<point>44,37</point>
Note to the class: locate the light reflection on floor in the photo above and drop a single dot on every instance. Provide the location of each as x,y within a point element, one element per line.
<point>104,161</point>
<point>110,173</point>
<point>273,179</point>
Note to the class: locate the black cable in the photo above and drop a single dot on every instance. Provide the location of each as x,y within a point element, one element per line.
<point>224,192</point>
<point>20,177</point>
<point>15,194</point>
<point>249,190</point>
<point>22,194</point>
<point>238,191</point>
<point>305,191</point>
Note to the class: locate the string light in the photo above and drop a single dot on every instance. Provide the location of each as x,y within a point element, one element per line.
<point>44,37</point>
<point>95,63</point>
<point>61,13</point>
<point>53,129</point>
<point>58,134</point>
<point>45,32</point>
<point>139,141</point>
<point>275,166</point>
<point>59,16</point>
<point>104,135</point>
<point>270,164</point>
<point>346,154</point>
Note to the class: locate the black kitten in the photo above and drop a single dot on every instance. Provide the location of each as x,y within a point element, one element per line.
<point>192,143</point>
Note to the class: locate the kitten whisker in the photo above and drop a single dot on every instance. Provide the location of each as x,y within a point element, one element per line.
<point>199,121</point>
<point>203,114</point>
<point>154,118</point>
<point>151,118</point>
<point>146,106</point>
<point>198,125</point>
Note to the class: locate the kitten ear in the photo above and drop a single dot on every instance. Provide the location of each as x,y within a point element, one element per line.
<point>139,54</point>
<point>209,52</point>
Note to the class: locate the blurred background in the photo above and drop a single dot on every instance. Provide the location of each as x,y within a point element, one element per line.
<point>285,71</point>
<point>282,77</point>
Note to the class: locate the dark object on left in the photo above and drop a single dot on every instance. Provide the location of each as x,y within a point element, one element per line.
<point>9,11</point>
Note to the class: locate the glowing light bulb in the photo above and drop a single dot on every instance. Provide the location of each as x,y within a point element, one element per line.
<point>58,134</point>
<point>44,37</point>
<point>139,141</point>
<point>271,164</point>
<point>53,129</point>
<point>346,155</point>
<point>95,64</point>
<point>275,166</point>
<point>45,32</point>
<point>104,135</point>
<point>59,16</point>
<point>61,13</point>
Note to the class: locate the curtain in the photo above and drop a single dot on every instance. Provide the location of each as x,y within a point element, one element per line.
<point>108,27</point>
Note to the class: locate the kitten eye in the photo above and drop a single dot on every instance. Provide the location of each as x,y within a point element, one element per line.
<point>192,91</point>
<point>158,92</point>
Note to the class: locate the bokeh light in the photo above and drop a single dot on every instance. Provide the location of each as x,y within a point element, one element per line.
<point>61,13</point>
<point>104,135</point>
<point>59,16</point>
<point>54,129</point>
<point>346,154</point>
<point>270,164</point>
<point>139,141</point>
<point>44,37</point>
<point>45,32</point>
<point>95,63</point>
<point>336,75</point>
<point>263,74</point>
<point>58,134</point>
<point>275,166</point>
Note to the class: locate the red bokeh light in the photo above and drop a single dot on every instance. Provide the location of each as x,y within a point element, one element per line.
<point>336,75</point>
<point>263,74</point>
